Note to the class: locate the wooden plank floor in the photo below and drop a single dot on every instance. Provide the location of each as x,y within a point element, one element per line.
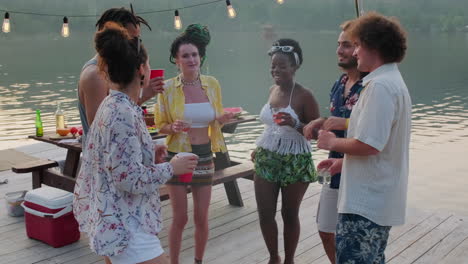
<point>235,237</point>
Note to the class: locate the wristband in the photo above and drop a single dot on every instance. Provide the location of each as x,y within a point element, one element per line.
<point>297,125</point>
<point>347,123</point>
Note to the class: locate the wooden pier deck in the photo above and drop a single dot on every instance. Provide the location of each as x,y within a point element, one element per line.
<point>235,237</point>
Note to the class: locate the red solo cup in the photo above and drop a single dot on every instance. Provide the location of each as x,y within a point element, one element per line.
<point>278,118</point>
<point>187,177</point>
<point>157,73</point>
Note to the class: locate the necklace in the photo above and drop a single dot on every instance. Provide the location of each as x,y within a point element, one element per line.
<point>184,82</point>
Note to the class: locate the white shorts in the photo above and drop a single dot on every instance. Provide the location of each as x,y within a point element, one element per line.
<point>142,247</point>
<point>327,211</point>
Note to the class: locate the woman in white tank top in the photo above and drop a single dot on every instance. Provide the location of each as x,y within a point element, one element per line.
<point>283,159</point>
<point>195,97</point>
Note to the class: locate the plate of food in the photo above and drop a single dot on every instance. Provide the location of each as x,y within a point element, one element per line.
<point>152,130</point>
<point>237,111</point>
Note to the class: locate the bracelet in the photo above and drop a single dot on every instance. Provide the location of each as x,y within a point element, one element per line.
<point>347,123</point>
<point>298,125</point>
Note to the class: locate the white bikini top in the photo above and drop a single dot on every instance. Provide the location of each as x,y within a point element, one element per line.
<point>281,139</point>
<point>201,114</point>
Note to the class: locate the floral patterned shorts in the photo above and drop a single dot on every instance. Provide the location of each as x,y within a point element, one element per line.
<point>359,240</point>
<point>284,169</point>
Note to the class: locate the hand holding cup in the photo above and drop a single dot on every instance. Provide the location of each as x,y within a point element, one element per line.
<point>156,83</point>
<point>284,119</point>
<point>184,163</point>
<point>181,126</point>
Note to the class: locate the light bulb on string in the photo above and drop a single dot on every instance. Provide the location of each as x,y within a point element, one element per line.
<point>6,23</point>
<point>280,2</point>
<point>231,11</point>
<point>177,20</point>
<point>361,12</point>
<point>65,28</point>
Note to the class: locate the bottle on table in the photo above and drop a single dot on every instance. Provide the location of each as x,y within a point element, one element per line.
<point>39,128</point>
<point>59,118</point>
<point>145,110</point>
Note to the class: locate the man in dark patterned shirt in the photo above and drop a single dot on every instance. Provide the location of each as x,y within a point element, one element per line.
<point>343,97</point>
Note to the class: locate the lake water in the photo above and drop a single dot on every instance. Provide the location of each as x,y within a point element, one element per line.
<point>38,71</point>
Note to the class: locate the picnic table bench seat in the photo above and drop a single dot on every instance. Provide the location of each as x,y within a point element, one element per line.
<point>41,174</point>
<point>227,175</point>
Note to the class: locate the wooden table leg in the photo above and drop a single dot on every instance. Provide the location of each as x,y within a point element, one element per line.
<point>223,161</point>
<point>233,193</point>
<point>37,176</point>
<point>71,163</point>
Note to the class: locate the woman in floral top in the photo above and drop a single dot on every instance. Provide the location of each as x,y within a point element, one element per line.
<point>116,200</point>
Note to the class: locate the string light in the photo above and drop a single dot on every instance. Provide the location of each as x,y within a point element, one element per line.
<point>177,20</point>
<point>6,23</point>
<point>231,11</point>
<point>362,12</point>
<point>65,32</point>
<point>65,28</point>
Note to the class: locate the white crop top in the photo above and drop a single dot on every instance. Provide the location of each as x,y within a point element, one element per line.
<point>201,114</point>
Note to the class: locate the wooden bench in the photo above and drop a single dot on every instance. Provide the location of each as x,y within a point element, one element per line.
<point>42,174</point>
<point>225,176</point>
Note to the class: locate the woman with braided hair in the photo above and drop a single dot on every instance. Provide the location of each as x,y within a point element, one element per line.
<point>191,98</point>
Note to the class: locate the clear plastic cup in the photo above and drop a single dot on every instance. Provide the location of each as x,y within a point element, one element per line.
<point>160,150</point>
<point>324,176</point>
<point>187,125</point>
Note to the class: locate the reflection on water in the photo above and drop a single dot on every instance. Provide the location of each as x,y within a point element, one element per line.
<point>20,100</point>
<point>443,120</point>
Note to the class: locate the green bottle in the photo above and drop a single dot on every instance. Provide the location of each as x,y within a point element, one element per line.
<point>39,128</point>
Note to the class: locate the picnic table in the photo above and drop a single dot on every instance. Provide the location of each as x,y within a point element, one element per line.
<point>226,171</point>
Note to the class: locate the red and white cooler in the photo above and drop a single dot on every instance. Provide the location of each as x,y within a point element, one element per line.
<point>49,216</point>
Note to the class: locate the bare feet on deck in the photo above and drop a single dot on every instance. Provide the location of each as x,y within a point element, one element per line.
<point>275,260</point>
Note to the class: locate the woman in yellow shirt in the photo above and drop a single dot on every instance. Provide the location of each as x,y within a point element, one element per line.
<point>191,99</point>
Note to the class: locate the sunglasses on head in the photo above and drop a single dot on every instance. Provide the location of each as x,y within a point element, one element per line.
<point>280,48</point>
<point>286,49</point>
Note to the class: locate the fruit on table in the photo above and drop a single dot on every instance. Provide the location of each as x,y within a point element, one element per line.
<point>63,131</point>
<point>73,130</point>
<point>235,110</point>
<point>152,129</point>
<point>80,132</point>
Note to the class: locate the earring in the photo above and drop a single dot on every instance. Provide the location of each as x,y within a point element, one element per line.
<point>142,78</point>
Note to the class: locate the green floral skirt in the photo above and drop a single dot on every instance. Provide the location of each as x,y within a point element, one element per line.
<point>284,169</point>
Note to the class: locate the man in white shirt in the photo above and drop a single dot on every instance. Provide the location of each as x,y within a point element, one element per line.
<point>374,180</point>
<point>343,96</point>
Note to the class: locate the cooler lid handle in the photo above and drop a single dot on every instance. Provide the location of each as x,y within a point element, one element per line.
<point>58,214</point>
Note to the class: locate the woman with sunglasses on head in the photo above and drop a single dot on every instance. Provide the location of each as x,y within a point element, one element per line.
<point>116,199</point>
<point>283,159</point>
<point>191,99</point>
